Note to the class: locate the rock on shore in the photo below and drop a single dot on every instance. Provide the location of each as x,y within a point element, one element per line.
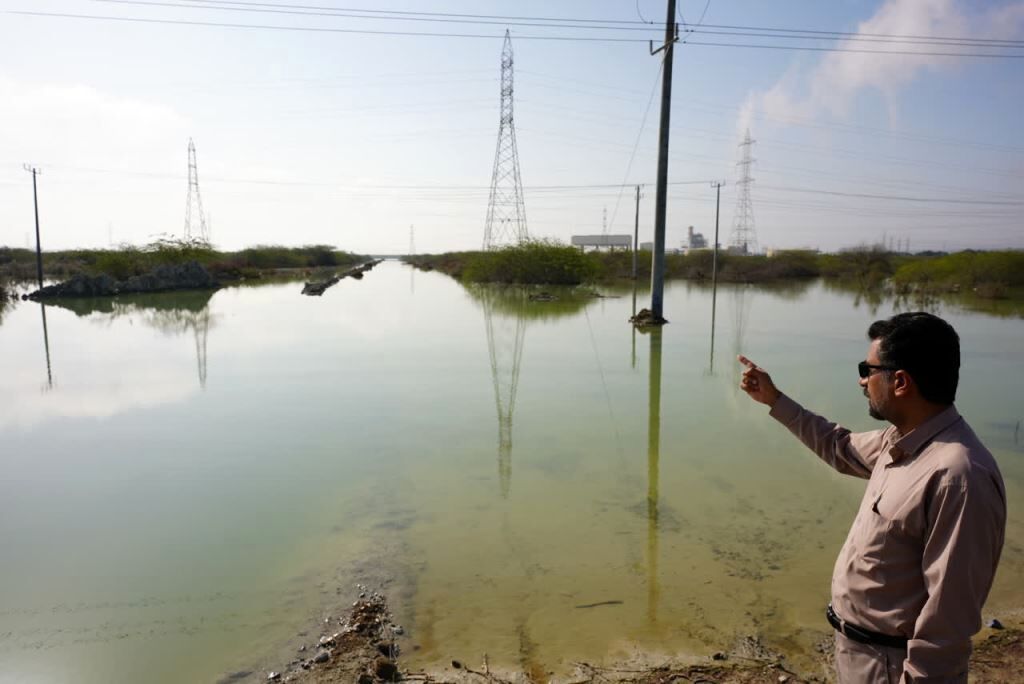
<point>188,276</point>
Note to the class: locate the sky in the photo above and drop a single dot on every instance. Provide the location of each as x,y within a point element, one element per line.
<point>325,122</point>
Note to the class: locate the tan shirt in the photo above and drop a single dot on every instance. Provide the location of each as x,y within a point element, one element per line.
<point>923,550</point>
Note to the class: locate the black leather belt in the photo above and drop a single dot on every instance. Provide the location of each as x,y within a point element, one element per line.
<point>864,636</point>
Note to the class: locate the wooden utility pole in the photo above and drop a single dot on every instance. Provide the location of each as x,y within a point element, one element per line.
<point>35,199</point>
<point>658,257</point>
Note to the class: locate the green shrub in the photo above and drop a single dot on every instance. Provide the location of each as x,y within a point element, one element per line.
<point>536,261</point>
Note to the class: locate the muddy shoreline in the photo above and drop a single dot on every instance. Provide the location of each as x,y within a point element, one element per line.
<point>365,644</point>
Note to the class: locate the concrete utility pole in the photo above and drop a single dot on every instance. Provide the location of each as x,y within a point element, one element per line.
<point>636,235</point>
<point>35,200</point>
<point>718,202</point>
<point>658,258</point>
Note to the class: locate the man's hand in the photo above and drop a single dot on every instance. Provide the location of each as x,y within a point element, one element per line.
<point>757,383</point>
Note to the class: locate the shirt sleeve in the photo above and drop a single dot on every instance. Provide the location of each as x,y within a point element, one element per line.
<point>849,453</point>
<point>961,550</point>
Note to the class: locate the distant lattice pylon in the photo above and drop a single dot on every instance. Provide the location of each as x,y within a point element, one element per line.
<point>744,237</point>
<point>506,212</point>
<point>194,200</point>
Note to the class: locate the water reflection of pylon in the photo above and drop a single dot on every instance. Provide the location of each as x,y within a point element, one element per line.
<point>200,328</point>
<point>741,312</point>
<point>505,345</point>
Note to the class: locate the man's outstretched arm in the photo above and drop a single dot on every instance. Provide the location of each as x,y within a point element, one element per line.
<point>849,453</point>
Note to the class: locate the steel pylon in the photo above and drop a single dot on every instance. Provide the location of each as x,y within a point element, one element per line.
<point>506,212</point>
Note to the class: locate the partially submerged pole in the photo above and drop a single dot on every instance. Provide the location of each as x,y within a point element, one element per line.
<point>658,257</point>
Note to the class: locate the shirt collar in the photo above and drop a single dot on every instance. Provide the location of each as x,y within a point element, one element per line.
<point>911,443</point>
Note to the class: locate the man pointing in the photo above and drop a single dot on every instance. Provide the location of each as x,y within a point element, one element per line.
<point>911,579</point>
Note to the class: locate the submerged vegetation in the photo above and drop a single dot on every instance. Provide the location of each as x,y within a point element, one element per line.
<point>129,260</point>
<point>989,275</point>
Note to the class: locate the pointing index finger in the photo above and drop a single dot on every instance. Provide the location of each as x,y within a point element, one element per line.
<point>747,362</point>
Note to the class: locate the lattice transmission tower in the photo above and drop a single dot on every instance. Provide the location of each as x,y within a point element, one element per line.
<point>192,230</point>
<point>744,238</point>
<point>506,213</point>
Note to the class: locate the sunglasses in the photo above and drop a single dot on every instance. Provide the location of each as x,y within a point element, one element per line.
<point>864,368</point>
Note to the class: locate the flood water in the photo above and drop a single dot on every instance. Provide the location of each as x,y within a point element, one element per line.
<point>189,481</point>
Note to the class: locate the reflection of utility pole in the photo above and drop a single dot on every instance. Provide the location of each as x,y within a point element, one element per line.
<point>714,301</point>
<point>634,311</point>
<point>35,201</point>
<point>46,346</point>
<point>505,347</point>
<point>714,271</point>
<point>653,454</point>
<point>658,258</point>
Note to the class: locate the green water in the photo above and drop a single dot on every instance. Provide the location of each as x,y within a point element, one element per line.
<point>188,481</point>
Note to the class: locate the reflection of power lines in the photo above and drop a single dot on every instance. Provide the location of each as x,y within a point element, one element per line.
<point>741,300</point>
<point>505,336</point>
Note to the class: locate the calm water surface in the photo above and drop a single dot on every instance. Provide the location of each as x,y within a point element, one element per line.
<point>189,481</point>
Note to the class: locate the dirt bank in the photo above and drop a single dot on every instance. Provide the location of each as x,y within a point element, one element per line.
<point>365,647</point>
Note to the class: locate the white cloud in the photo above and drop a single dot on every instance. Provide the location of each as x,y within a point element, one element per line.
<point>839,78</point>
<point>79,125</point>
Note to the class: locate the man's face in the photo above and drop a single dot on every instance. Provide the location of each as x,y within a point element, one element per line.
<point>876,386</point>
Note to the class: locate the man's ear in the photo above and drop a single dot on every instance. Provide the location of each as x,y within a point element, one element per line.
<point>901,383</point>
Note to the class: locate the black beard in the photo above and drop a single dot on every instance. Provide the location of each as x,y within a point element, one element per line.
<point>873,412</point>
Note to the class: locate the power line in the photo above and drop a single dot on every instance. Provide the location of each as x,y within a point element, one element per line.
<point>438,34</point>
<point>900,198</point>
<point>561,21</point>
<point>275,8</point>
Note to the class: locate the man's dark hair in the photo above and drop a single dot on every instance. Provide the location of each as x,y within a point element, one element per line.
<point>926,347</point>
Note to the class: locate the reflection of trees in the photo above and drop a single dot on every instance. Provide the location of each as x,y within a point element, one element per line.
<point>507,310</point>
<point>172,313</point>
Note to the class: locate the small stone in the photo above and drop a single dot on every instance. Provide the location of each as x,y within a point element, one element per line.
<point>397,629</point>
<point>994,624</point>
<point>365,678</point>
<point>326,642</point>
<point>456,664</point>
<point>719,656</point>
<point>273,676</point>
<point>783,679</point>
<point>322,657</point>
<point>327,620</point>
<point>302,648</point>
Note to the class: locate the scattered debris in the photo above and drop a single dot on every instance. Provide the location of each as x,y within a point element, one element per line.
<point>317,289</point>
<point>994,624</point>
